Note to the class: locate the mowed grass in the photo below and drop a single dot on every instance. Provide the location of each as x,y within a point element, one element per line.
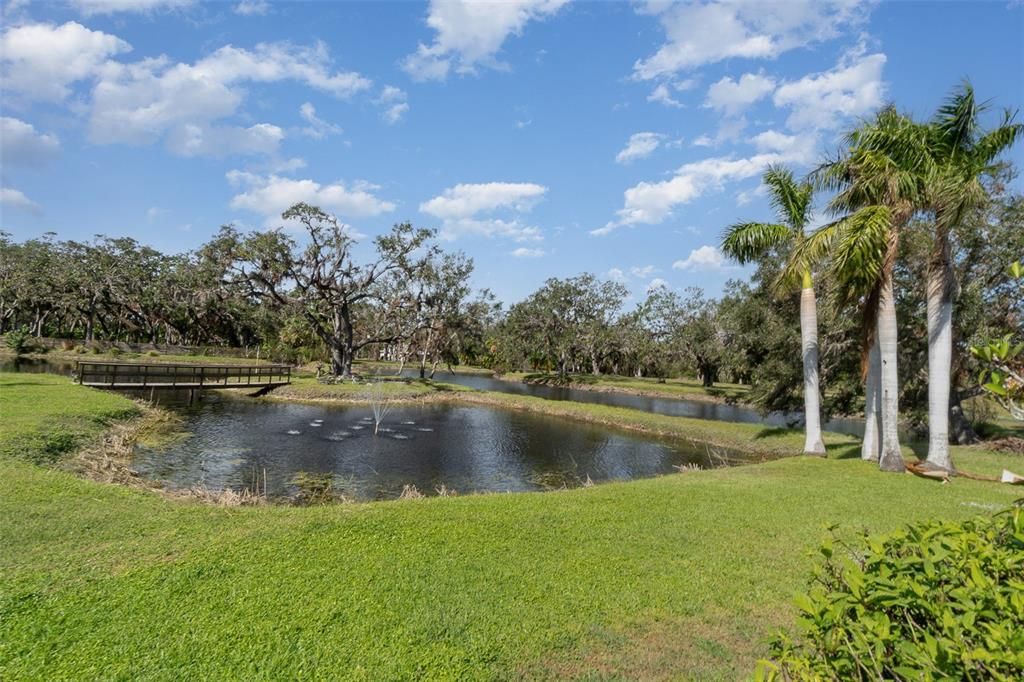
<point>679,387</point>
<point>45,416</point>
<point>676,577</point>
<point>307,387</point>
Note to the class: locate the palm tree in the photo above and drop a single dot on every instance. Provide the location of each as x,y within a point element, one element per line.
<point>961,154</point>
<point>748,241</point>
<point>879,187</point>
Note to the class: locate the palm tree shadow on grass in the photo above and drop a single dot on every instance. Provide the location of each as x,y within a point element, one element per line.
<point>841,451</point>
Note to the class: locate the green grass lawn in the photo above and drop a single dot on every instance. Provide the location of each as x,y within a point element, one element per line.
<point>675,577</point>
<point>681,387</point>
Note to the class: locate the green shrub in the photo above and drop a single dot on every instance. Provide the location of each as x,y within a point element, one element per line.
<point>81,349</point>
<point>95,350</point>
<point>19,340</point>
<point>114,350</point>
<point>932,601</point>
<point>153,354</point>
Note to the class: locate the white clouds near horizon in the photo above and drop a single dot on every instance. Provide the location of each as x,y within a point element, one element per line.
<point>469,209</point>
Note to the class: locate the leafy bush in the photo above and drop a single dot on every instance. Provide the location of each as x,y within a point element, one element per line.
<point>19,340</point>
<point>932,601</point>
<point>153,354</point>
<point>114,350</point>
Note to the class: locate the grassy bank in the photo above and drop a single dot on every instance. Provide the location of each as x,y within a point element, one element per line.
<point>675,577</point>
<point>683,388</point>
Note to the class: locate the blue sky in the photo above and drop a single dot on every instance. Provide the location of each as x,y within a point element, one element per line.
<point>543,138</point>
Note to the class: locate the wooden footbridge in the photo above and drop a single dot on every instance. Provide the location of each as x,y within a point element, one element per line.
<point>134,376</point>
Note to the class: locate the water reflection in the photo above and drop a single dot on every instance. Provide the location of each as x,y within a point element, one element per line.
<point>469,449</point>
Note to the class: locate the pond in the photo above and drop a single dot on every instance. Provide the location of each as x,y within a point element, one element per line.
<point>235,442</point>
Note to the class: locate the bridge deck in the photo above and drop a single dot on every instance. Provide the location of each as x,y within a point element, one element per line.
<point>134,375</point>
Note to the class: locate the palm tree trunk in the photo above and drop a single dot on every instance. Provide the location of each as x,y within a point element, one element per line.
<point>940,355</point>
<point>891,456</point>
<point>813,444</point>
<point>873,406</point>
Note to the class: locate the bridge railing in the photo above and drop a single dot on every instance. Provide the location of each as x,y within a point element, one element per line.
<point>163,375</point>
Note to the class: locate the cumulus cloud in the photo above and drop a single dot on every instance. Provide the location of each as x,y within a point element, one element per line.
<point>271,195</point>
<point>643,272</point>
<point>653,202</point>
<point>701,259</point>
<point>733,96</point>
<point>657,283</point>
<point>468,209</point>
<point>617,275</point>
<point>523,252</point>
<point>141,102</point>
<point>41,61</point>
<point>700,33</point>
<point>20,144</point>
<point>318,128</point>
<point>470,34</point>
<point>394,101</point>
<point>640,145</point>
<point>249,8</point>
<point>465,200</point>
<point>824,100</point>
<point>91,7</point>
<point>15,199</point>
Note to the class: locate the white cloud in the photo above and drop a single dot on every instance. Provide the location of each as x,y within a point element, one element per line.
<point>640,145</point>
<point>465,200</point>
<point>617,275</point>
<point>471,33</point>
<point>270,195</point>
<point>731,97</point>
<point>657,283</point>
<point>16,199</point>
<point>643,272</point>
<point>701,33</point>
<point>91,7</point>
<point>191,140</point>
<point>520,124</point>
<point>250,8</point>
<point>823,100</point>
<point>41,61</point>
<point>653,202</point>
<point>661,95</point>
<point>20,144</point>
<point>318,129</point>
<point>154,212</point>
<point>139,103</point>
<point>523,252</point>
<point>461,209</point>
<point>394,101</point>
<point>394,113</point>
<point>702,259</point>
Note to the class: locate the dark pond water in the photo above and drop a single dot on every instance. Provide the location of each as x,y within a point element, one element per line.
<point>674,407</point>
<point>468,449</point>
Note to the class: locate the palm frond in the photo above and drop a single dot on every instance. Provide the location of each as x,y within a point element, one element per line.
<point>808,254</point>
<point>996,141</point>
<point>790,199</point>
<point>957,119</point>
<point>860,249</point>
<point>747,241</point>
